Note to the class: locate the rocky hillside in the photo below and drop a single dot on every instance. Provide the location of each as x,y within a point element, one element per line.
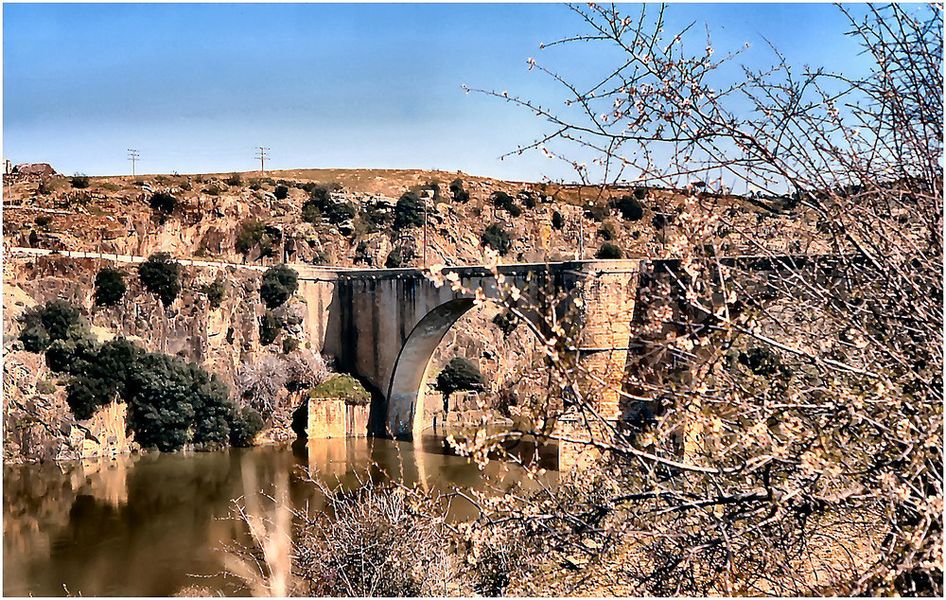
<point>207,214</point>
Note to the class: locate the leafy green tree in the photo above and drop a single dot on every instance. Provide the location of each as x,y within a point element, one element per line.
<point>558,221</point>
<point>163,203</point>
<point>458,192</point>
<point>74,355</point>
<point>399,257</point>
<point>55,320</point>
<point>172,403</point>
<point>161,275</point>
<point>245,423</point>
<point>110,286</point>
<point>409,211</point>
<point>630,207</point>
<point>496,238</point>
<point>269,328</point>
<point>501,199</point>
<point>255,234</point>
<point>279,284</point>
<point>85,394</point>
<point>458,374</point>
<point>216,291</point>
<point>338,212</point>
<point>609,251</point>
<point>311,213</point>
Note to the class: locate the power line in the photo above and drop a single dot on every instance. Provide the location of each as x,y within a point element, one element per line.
<point>262,153</point>
<point>133,157</point>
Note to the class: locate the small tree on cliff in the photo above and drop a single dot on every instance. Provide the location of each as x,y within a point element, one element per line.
<point>409,211</point>
<point>496,238</point>
<point>161,275</point>
<point>459,374</point>
<point>279,283</point>
<point>55,320</point>
<point>457,190</point>
<point>110,287</point>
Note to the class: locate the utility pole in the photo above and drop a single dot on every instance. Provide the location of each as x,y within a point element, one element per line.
<point>133,157</point>
<point>262,153</point>
<point>425,231</point>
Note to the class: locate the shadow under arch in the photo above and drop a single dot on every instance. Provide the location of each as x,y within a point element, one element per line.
<point>403,419</point>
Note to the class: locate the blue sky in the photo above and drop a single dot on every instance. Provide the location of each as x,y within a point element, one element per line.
<point>196,87</point>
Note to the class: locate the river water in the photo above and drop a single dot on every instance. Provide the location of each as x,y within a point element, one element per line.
<point>154,524</point>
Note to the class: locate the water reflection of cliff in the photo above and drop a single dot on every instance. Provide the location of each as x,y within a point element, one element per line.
<point>154,524</point>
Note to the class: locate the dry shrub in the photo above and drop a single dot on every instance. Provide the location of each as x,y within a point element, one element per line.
<point>375,540</point>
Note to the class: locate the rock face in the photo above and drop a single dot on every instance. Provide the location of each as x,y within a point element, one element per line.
<point>38,425</point>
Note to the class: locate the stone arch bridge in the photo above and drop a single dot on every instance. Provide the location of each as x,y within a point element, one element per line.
<point>383,325</point>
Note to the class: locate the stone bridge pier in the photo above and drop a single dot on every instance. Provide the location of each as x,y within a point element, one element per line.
<point>385,325</point>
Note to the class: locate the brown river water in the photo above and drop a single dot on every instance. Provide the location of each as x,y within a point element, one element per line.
<point>152,524</point>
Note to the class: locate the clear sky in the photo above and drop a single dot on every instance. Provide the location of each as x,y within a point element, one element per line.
<point>196,87</point>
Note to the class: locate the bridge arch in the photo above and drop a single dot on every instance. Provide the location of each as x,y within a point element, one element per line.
<point>403,419</point>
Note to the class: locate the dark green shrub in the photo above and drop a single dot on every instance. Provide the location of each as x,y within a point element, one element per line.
<point>33,239</point>
<point>597,212</point>
<point>311,213</point>
<point>100,372</point>
<point>172,403</point>
<point>80,181</point>
<point>409,211</point>
<point>279,283</point>
<point>73,355</point>
<point>163,203</point>
<point>608,231</point>
<point>216,291</point>
<point>361,254</point>
<point>85,394</point>
<point>558,221</point>
<point>43,221</point>
<point>506,202</point>
<point>55,320</point>
<point>527,199</point>
<point>630,207</point>
<point>269,328</point>
<point>399,257</point>
<point>496,238</point>
<point>289,345</point>
<point>506,321</point>
<point>110,287</point>
<point>338,212</point>
<point>281,192</point>
<point>245,423</point>
<point>660,221</point>
<point>161,275</point>
<point>609,251</point>
<point>456,190</point>
<point>458,374</point>
<point>254,234</point>
<point>213,190</point>
<point>377,217</point>
<point>234,180</point>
